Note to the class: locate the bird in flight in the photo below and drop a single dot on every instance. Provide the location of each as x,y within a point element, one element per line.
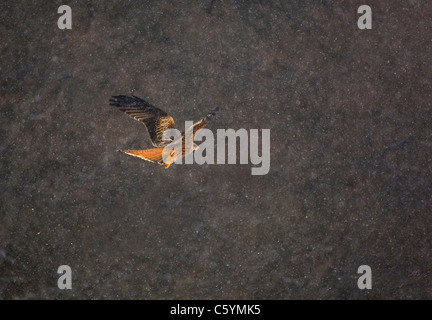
<point>157,123</point>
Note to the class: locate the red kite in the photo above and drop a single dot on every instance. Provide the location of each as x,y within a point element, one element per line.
<point>157,122</point>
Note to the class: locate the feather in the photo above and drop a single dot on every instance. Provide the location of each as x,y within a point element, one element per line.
<point>152,155</point>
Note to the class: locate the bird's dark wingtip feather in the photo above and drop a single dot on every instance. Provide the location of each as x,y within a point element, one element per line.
<point>212,113</point>
<point>128,101</point>
<point>114,100</point>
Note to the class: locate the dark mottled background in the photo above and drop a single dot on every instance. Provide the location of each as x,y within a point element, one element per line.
<point>350,179</point>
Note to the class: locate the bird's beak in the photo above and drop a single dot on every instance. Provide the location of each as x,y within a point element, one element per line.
<point>167,166</point>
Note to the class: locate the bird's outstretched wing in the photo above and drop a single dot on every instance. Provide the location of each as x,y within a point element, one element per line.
<point>197,126</point>
<point>155,119</point>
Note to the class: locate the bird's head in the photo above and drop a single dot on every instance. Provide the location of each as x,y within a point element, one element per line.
<point>172,157</point>
<point>172,152</point>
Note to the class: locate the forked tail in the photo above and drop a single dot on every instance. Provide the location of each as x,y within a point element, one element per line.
<point>152,155</point>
